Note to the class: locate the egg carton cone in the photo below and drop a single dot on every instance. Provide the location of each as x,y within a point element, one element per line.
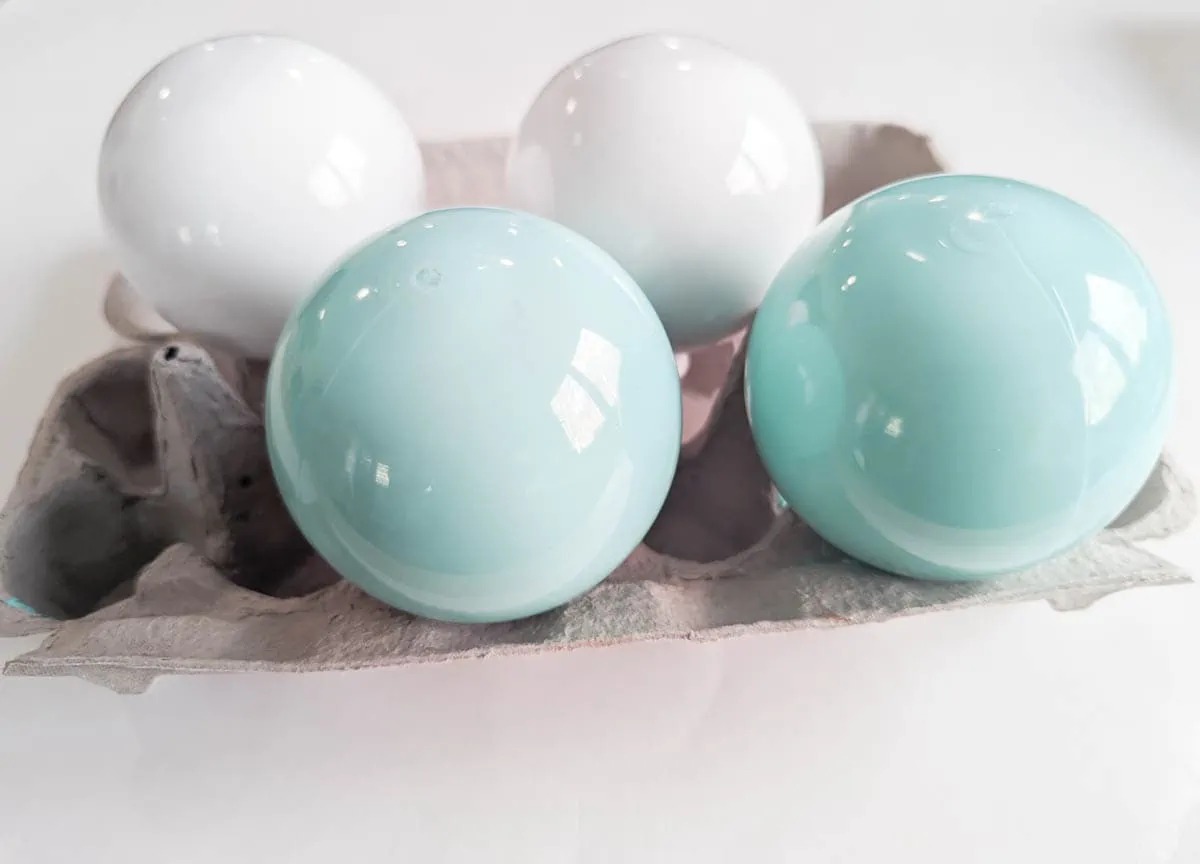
<point>146,536</point>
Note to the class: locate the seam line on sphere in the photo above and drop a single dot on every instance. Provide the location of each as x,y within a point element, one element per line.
<point>361,336</point>
<point>1055,300</point>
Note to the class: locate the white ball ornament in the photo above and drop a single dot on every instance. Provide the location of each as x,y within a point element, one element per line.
<point>691,165</point>
<point>239,170</point>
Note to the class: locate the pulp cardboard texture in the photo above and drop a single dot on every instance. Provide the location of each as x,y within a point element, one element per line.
<point>146,515</point>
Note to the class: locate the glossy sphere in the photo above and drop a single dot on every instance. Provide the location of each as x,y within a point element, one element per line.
<point>238,171</point>
<point>693,166</point>
<point>477,417</point>
<point>957,376</point>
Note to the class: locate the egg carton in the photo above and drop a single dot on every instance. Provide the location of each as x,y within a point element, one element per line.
<point>150,463</point>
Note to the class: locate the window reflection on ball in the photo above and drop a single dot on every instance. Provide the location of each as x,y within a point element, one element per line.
<point>239,170</point>
<point>476,417</point>
<point>691,165</point>
<point>959,376</point>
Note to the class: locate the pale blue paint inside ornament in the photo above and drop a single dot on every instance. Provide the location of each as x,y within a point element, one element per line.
<point>956,377</point>
<point>20,606</point>
<point>476,417</point>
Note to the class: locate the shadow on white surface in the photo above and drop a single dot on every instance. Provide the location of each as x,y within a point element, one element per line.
<point>1164,60</point>
<point>11,648</point>
<point>60,312</point>
<point>767,749</point>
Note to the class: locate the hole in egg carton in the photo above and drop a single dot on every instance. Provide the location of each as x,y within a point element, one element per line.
<point>231,584</point>
<point>722,503</point>
<point>151,446</point>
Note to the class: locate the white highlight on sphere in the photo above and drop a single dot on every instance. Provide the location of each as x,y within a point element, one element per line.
<point>692,166</point>
<point>238,171</point>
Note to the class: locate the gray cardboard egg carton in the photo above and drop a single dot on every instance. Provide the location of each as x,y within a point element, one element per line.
<point>146,508</point>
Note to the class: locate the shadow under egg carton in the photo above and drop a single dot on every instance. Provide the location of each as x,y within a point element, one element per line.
<point>146,515</point>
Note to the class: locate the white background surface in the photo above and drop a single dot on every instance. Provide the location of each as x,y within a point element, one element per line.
<point>1008,735</point>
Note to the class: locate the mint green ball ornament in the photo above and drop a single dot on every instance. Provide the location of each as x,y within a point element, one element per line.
<point>956,377</point>
<point>476,417</point>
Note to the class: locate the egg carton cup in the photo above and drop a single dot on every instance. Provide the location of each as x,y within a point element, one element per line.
<point>146,513</point>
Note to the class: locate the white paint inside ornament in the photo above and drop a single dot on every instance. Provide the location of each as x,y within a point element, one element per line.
<point>691,165</point>
<point>238,171</point>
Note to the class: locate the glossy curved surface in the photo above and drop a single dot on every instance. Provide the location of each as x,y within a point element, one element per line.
<point>477,417</point>
<point>959,376</point>
<point>692,166</point>
<point>238,171</point>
